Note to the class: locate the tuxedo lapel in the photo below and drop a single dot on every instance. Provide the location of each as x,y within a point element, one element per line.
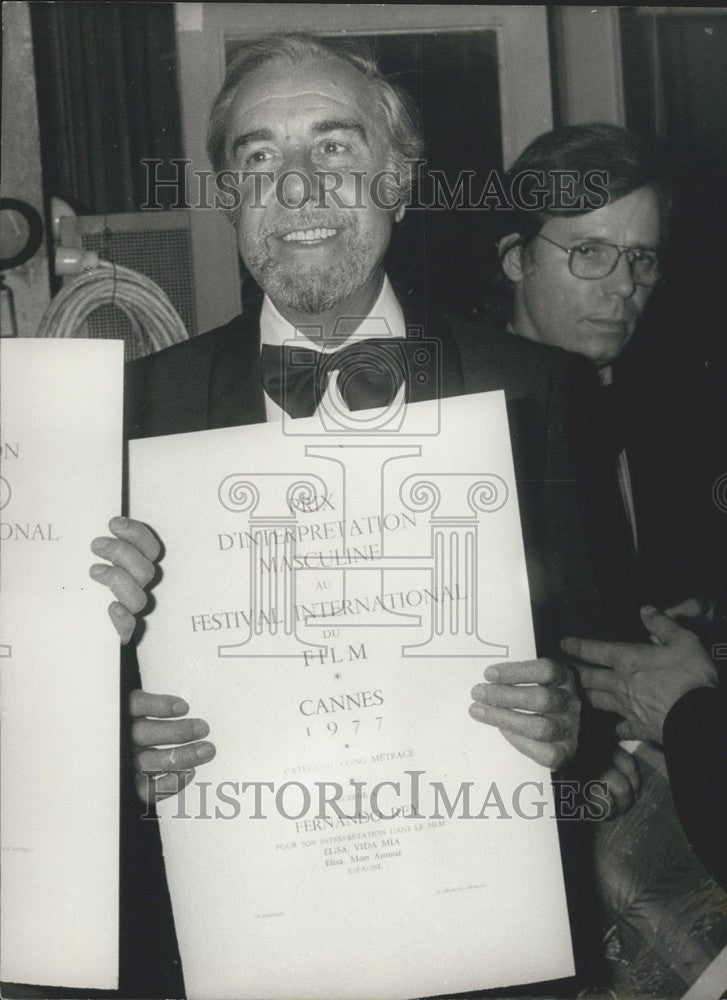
<point>235,389</point>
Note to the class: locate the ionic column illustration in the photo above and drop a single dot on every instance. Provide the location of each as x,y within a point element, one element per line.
<point>270,571</point>
<point>455,503</point>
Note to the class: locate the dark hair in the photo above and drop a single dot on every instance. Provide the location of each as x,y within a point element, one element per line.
<point>615,160</point>
<point>396,114</point>
<point>607,159</point>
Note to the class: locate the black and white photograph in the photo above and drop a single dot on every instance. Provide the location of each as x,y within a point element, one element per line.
<point>363,502</point>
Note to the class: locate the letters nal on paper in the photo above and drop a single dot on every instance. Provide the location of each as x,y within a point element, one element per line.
<point>60,483</point>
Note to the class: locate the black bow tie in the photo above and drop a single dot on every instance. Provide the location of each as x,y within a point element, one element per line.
<point>370,373</point>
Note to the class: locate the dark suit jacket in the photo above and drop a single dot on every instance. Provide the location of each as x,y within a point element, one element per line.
<point>695,747</point>
<point>213,380</point>
<point>669,424</point>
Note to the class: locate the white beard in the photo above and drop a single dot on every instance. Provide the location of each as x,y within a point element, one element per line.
<point>314,289</point>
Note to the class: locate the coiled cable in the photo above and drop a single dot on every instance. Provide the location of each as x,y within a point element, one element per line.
<point>155,322</point>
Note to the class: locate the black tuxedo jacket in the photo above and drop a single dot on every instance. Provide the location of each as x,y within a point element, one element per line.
<point>213,380</point>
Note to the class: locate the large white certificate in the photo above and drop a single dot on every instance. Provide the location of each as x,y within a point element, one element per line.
<point>60,482</point>
<point>329,597</point>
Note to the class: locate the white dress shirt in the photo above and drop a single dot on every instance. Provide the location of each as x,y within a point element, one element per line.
<point>385,319</point>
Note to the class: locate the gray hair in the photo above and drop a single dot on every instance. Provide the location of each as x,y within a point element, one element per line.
<point>397,116</point>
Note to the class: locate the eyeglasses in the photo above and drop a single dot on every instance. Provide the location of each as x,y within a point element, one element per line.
<point>592,260</point>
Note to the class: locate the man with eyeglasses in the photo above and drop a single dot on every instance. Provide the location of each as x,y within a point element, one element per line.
<point>581,279</point>
<point>582,257</point>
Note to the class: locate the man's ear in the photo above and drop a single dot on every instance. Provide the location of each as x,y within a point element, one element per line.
<point>399,212</point>
<point>510,251</point>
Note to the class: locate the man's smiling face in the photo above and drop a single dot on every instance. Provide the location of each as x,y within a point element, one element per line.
<point>310,252</point>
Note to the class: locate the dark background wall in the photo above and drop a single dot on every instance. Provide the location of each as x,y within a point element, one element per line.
<point>107,97</point>
<point>674,72</point>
